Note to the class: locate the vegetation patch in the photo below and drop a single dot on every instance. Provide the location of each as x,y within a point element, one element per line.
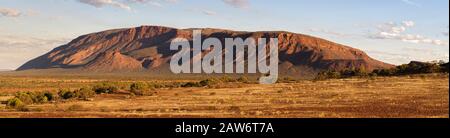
<point>406,69</point>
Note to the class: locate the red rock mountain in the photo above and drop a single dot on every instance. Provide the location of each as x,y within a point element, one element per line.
<point>146,48</point>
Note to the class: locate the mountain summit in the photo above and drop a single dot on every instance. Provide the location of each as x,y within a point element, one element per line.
<point>147,48</point>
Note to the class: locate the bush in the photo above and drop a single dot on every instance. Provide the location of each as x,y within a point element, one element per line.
<point>227,79</point>
<point>208,82</point>
<point>39,98</point>
<point>84,93</point>
<point>66,94</point>
<point>191,84</point>
<point>49,96</point>
<point>406,69</point>
<point>243,79</point>
<point>105,88</point>
<point>15,103</point>
<point>34,97</point>
<point>385,72</point>
<point>328,75</point>
<point>286,80</point>
<point>139,89</point>
<point>25,97</point>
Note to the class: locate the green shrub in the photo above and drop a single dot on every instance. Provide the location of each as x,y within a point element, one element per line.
<point>208,82</point>
<point>105,88</point>
<point>66,94</point>
<point>25,97</point>
<point>191,84</point>
<point>84,93</point>
<point>139,89</point>
<point>358,72</point>
<point>14,103</point>
<point>328,75</point>
<point>50,96</point>
<point>34,97</point>
<point>227,79</point>
<point>243,79</point>
<point>39,98</point>
<point>385,72</point>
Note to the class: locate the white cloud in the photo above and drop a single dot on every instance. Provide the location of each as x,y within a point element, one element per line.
<point>102,3</point>
<point>243,4</point>
<point>16,50</point>
<point>408,23</point>
<point>409,54</point>
<point>396,31</point>
<point>209,12</point>
<point>156,3</point>
<point>7,12</point>
<point>144,1</point>
<point>203,11</point>
<point>326,31</point>
<point>410,2</point>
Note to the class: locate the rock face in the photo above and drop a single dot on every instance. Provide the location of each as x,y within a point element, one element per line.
<point>147,48</point>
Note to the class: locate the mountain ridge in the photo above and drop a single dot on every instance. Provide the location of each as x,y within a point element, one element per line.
<point>147,48</point>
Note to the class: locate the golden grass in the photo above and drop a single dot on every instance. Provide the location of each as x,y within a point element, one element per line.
<point>419,96</point>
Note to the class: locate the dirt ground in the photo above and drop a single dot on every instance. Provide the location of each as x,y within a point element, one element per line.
<point>421,96</point>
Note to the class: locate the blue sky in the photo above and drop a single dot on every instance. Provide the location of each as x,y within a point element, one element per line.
<point>394,31</point>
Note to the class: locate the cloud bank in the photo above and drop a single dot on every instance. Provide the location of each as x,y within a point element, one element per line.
<point>7,12</point>
<point>242,4</point>
<point>102,3</point>
<point>397,31</point>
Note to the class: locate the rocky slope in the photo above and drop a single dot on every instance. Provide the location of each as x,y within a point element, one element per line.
<point>146,48</point>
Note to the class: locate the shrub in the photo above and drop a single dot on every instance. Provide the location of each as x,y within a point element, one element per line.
<point>360,72</point>
<point>139,89</point>
<point>34,97</point>
<point>328,75</point>
<point>227,79</point>
<point>385,72</point>
<point>286,80</point>
<point>39,98</point>
<point>49,96</point>
<point>25,97</point>
<point>84,93</point>
<point>154,85</point>
<point>243,79</point>
<point>105,88</point>
<point>191,84</point>
<point>66,94</point>
<point>15,103</point>
<point>208,82</point>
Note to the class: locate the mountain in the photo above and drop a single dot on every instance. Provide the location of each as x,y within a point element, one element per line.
<point>147,48</point>
<point>5,70</point>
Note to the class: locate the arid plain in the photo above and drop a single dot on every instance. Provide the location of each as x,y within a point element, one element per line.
<point>414,96</point>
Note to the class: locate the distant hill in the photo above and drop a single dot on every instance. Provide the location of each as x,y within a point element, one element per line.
<point>146,49</point>
<point>6,70</point>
